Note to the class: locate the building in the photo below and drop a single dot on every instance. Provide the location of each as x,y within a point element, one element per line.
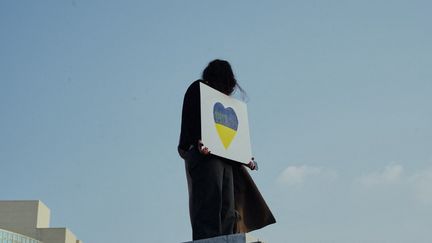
<point>29,222</point>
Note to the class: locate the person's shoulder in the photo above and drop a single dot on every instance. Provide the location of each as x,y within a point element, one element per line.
<point>196,83</point>
<point>193,90</point>
<point>194,86</point>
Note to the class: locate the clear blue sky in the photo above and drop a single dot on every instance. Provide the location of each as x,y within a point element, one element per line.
<point>339,107</point>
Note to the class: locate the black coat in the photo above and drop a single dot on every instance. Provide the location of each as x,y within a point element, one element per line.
<point>253,212</point>
<point>249,203</point>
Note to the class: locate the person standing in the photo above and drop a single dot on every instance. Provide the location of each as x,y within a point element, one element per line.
<point>218,187</point>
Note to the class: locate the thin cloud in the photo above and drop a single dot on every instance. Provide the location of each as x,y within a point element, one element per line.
<point>422,185</point>
<point>391,174</point>
<point>297,175</point>
<point>419,183</point>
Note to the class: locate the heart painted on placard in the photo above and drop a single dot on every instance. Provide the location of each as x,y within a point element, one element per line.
<point>226,123</point>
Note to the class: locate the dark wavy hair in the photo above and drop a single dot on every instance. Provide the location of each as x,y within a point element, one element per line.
<point>219,75</point>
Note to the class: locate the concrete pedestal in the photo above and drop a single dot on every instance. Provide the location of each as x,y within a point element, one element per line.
<point>236,238</point>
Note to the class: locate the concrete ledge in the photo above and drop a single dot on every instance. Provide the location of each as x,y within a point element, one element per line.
<point>235,238</point>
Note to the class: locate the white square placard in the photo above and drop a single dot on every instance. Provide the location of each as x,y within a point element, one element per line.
<point>224,125</point>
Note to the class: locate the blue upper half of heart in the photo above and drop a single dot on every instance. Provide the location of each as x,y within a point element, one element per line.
<point>225,116</point>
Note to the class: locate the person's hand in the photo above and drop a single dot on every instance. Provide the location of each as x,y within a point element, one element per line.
<point>202,149</point>
<point>252,164</point>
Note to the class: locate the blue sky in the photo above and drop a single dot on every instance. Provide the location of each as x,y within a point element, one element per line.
<point>339,108</point>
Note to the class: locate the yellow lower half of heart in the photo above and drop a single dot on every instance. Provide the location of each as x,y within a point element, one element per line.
<point>226,134</point>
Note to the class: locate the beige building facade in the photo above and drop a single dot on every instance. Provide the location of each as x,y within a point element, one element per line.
<point>29,222</point>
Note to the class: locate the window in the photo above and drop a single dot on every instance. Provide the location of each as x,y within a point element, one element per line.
<point>10,237</point>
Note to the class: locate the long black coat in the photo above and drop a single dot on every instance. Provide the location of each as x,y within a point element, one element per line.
<point>253,212</point>
<point>249,203</point>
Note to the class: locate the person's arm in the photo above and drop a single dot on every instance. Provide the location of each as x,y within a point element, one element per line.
<point>191,120</point>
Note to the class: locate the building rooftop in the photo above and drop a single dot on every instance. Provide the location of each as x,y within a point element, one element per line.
<point>28,221</point>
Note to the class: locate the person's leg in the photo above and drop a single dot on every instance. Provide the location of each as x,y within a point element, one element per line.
<point>228,216</point>
<point>206,177</point>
